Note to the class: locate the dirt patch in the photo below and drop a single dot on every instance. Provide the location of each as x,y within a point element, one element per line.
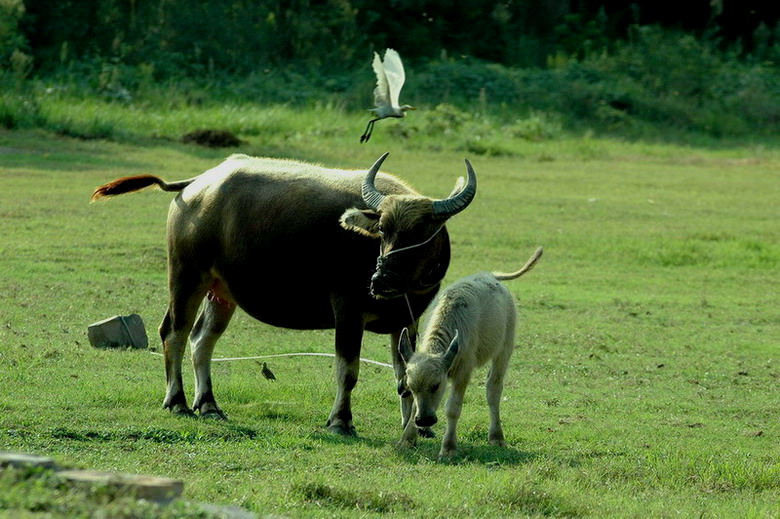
<point>212,138</point>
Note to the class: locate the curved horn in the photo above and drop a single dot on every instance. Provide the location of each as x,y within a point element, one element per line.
<point>371,196</point>
<point>457,203</point>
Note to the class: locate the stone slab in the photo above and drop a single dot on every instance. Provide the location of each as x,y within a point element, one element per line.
<point>19,460</point>
<point>142,487</point>
<point>120,331</point>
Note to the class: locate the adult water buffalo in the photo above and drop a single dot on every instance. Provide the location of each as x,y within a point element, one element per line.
<point>298,246</point>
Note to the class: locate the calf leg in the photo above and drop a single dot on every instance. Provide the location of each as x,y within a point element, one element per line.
<point>211,323</point>
<point>454,408</point>
<point>186,295</point>
<point>494,388</point>
<point>349,335</point>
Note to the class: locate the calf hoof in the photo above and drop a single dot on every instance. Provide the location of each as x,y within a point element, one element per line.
<point>426,432</point>
<point>407,443</point>
<point>445,455</point>
<point>342,429</point>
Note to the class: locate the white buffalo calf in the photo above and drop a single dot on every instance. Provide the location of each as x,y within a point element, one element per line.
<point>472,322</point>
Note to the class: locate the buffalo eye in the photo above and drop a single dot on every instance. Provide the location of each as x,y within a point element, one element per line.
<point>435,388</point>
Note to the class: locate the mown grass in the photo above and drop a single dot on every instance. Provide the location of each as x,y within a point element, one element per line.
<point>644,381</point>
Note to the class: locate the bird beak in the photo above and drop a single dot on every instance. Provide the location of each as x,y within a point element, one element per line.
<point>411,108</point>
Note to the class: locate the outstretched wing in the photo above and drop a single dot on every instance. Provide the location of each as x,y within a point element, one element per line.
<point>382,90</point>
<point>394,72</point>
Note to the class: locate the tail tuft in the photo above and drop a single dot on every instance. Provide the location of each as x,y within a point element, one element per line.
<point>125,185</point>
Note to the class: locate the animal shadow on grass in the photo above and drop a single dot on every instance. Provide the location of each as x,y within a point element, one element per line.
<point>336,439</point>
<point>467,453</point>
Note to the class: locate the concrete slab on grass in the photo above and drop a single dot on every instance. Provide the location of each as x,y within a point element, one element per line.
<point>120,331</point>
<point>18,460</point>
<point>142,487</point>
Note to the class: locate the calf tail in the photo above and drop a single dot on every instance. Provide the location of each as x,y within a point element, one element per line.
<point>129,184</point>
<point>531,263</point>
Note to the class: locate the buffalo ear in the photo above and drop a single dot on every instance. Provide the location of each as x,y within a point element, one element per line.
<point>405,346</point>
<point>363,221</point>
<point>458,186</point>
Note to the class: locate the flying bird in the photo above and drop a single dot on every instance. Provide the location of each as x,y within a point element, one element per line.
<point>390,79</point>
<point>267,373</point>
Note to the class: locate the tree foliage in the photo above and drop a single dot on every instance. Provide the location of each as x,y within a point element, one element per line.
<point>175,36</point>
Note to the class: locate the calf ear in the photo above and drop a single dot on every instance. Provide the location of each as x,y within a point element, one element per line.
<point>405,346</point>
<point>452,351</point>
<point>363,221</point>
<point>403,391</point>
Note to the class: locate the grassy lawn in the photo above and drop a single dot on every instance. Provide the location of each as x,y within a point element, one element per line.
<point>644,383</point>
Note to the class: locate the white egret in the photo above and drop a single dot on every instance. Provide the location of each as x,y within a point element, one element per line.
<point>390,79</point>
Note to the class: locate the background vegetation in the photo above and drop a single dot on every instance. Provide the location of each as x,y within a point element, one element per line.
<point>634,70</point>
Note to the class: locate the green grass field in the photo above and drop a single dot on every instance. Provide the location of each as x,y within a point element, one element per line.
<point>644,383</point>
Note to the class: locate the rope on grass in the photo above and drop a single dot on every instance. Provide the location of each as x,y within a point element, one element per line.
<point>302,354</point>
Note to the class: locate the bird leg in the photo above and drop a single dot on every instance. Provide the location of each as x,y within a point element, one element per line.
<point>369,130</point>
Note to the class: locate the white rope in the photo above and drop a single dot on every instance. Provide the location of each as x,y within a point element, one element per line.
<point>303,354</point>
<point>402,249</point>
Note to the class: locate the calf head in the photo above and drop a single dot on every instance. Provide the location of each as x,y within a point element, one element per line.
<point>426,377</point>
<point>414,249</point>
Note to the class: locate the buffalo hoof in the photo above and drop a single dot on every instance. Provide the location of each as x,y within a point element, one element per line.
<point>426,432</point>
<point>210,410</point>
<point>181,410</point>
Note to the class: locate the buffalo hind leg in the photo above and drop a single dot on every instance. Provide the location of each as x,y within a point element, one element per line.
<point>211,323</point>
<point>349,335</point>
<point>174,331</point>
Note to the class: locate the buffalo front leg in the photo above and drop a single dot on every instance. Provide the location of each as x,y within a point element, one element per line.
<point>349,335</point>
<point>400,377</point>
<point>211,323</point>
<point>409,436</point>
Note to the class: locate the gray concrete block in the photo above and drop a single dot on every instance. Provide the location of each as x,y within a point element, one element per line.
<point>142,487</point>
<point>19,460</point>
<point>228,512</point>
<point>119,331</point>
